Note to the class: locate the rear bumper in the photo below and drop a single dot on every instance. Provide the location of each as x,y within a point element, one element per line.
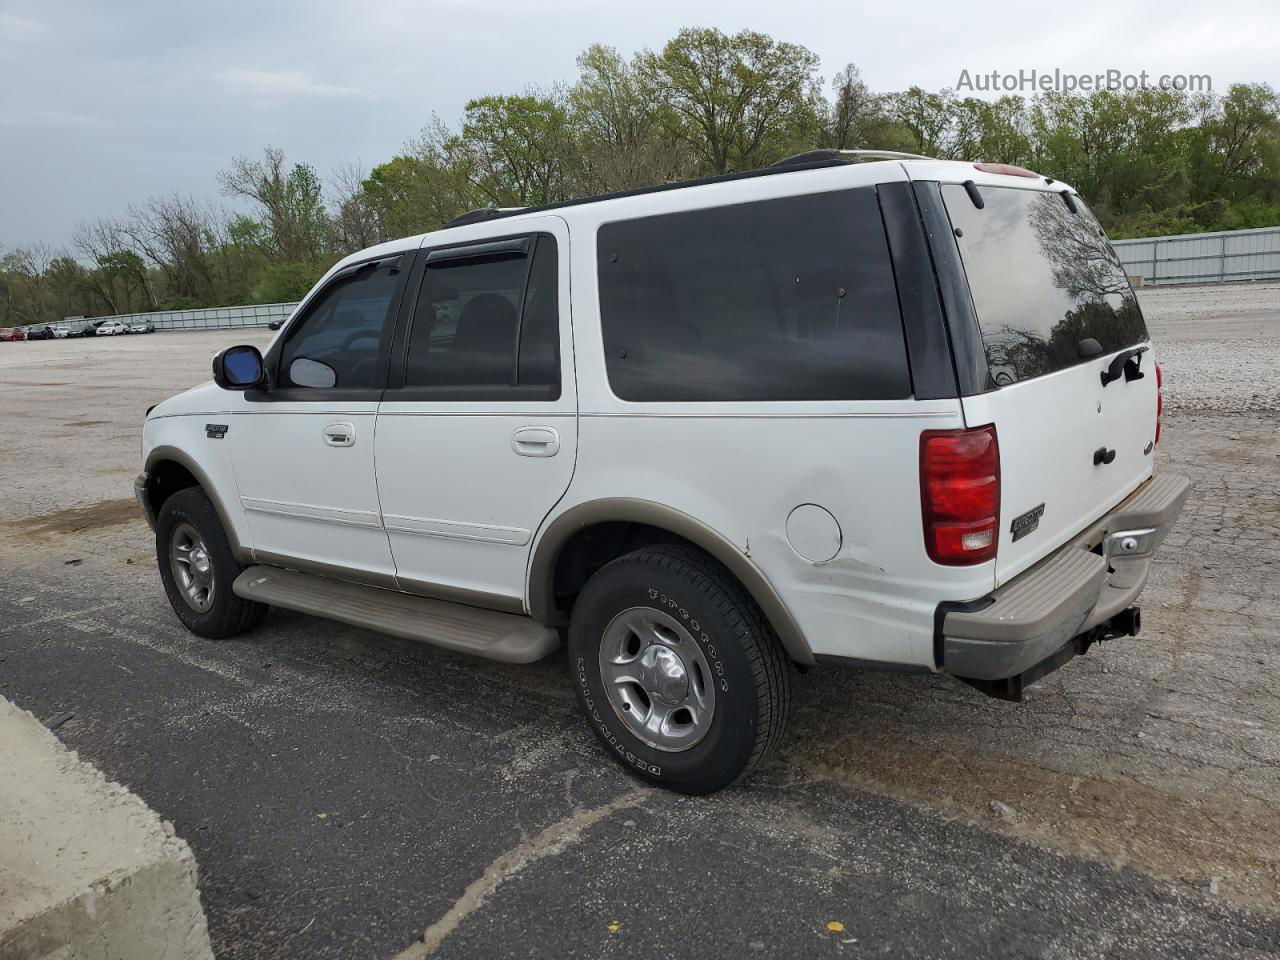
<point>1083,585</point>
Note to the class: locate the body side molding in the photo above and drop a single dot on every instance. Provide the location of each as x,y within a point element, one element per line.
<point>626,509</point>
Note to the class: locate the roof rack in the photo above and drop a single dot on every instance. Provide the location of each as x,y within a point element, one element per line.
<point>847,156</point>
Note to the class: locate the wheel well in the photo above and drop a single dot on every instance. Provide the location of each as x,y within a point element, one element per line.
<point>591,548</point>
<point>164,479</point>
<point>586,537</point>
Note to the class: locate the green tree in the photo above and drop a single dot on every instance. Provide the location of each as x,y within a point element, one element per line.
<point>290,203</point>
<point>621,130</point>
<point>423,188</point>
<point>739,101</point>
<point>517,150</point>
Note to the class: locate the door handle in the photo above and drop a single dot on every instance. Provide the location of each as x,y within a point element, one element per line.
<point>340,434</point>
<point>536,442</point>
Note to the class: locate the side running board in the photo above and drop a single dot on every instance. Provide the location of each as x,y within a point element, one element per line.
<point>454,626</point>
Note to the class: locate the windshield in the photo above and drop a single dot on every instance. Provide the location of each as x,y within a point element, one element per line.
<point>1043,278</point>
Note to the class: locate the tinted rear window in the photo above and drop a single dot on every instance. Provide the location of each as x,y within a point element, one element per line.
<point>1043,279</point>
<point>789,299</point>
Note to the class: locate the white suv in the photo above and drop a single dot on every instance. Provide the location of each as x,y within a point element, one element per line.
<point>896,414</point>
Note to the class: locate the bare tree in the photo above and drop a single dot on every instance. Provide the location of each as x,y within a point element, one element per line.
<point>355,223</point>
<point>855,115</point>
<point>175,234</point>
<point>120,278</point>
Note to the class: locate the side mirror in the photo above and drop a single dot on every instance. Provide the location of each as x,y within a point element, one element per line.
<point>239,368</point>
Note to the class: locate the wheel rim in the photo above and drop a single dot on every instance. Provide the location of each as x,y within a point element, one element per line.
<point>657,679</point>
<point>192,567</point>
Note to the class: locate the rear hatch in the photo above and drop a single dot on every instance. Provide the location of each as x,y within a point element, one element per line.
<point>1044,282</point>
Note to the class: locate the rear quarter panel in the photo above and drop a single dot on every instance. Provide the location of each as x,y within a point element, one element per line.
<point>741,468</point>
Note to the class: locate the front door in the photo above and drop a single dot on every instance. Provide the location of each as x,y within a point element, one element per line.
<point>477,431</point>
<point>303,449</point>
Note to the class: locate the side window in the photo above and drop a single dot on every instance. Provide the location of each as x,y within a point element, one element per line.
<point>788,299</point>
<point>489,321</point>
<point>336,344</point>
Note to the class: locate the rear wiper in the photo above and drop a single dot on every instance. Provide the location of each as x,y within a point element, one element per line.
<point>1127,364</point>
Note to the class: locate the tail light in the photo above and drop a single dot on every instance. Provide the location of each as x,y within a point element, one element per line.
<point>960,495</point>
<point>1159,400</point>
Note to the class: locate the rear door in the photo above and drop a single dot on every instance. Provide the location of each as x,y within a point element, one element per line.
<point>1045,283</point>
<point>478,429</point>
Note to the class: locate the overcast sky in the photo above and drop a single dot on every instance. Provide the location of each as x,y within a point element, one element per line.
<point>103,103</point>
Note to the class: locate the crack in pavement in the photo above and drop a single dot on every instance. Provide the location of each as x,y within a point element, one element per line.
<point>549,842</point>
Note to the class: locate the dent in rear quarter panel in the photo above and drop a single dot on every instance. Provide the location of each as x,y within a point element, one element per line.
<point>742,475</point>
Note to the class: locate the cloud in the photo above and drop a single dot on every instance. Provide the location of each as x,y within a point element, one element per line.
<point>28,117</point>
<point>15,27</point>
<point>281,84</point>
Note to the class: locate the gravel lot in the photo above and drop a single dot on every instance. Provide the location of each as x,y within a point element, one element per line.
<point>349,794</point>
<point>1218,345</point>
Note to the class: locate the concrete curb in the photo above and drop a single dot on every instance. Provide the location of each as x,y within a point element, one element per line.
<point>87,871</point>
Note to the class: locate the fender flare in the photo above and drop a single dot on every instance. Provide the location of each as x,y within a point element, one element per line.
<point>185,460</point>
<point>625,509</point>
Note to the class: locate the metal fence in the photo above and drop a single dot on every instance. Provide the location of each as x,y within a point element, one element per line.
<point>1189,258</point>
<point>1203,257</point>
<point>210,318</point>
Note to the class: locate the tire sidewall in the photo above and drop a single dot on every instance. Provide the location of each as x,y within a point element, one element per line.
<point>193,507</point>
<point>703,610</point>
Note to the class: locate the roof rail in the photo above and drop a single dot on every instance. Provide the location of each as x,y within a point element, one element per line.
<point>847,156</point>
<point>812,160</point>
<point>482,213</point>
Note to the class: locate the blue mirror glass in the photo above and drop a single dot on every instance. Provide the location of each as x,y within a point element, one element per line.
<point>243,366</point>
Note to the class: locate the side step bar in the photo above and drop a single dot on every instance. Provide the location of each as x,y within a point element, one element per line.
<point>454,626</point>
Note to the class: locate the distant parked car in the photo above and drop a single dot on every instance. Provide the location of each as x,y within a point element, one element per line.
<point>40,333</point>
<point>12,333</point>
<point>88,329</point>
<point>61,331</point>
<point>275,324</point>
<point>112,327</point>
<point>142,326</point>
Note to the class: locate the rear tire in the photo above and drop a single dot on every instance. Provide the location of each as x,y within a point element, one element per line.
<point>681,677</point>
<point>198,568</point>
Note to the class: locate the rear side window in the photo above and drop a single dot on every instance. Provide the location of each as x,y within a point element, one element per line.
<point>788,299</point>
<point>489,321</point>
<point>1043,278</point>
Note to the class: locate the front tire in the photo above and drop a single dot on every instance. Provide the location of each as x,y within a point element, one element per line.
<point>198,567</point>
<point>681,677</point>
